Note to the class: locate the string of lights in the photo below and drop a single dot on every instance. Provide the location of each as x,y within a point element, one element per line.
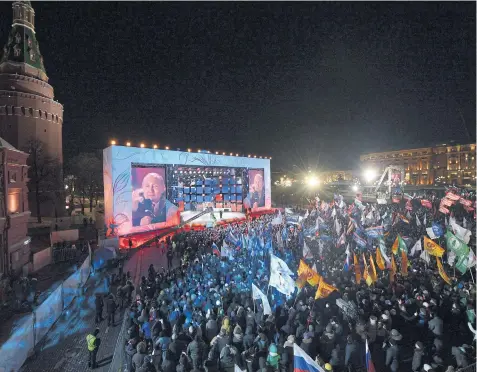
<point>154,146</point>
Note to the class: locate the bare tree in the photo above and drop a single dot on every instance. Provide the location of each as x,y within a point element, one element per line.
<point>44,175</point>
<point>87,172</point>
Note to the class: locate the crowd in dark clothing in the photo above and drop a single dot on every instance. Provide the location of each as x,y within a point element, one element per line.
<point>200,316</point>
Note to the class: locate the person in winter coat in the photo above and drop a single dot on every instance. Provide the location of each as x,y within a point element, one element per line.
<point>183,364</point>
<point>164,342</point>
<point>227,358</point>
<point>248,338</point>
<point>130,351</point>
<point>336,357</point>
<point>418,356</point>
<point>237,338</point>
<point>138,358</point>
<point>459,353</point>
<point>111,309</point>
<point>196,351</point>
<point>273,358</point>
<point>211,328</point>
<point>392,352</point>
<point>167,364</point>
<point>351,352</point>
<point>147,365</point>
<point>371,329</point>
<point>98,302</point>
<point>436,326</point>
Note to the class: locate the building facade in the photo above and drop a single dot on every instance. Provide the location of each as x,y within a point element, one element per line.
<point>446,164</point>
<point>28,110</point>
<point>336,176</point>
<point>14,211</point>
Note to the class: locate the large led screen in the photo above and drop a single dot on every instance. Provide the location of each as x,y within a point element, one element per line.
<point>256,190</point>
<point>149,198</point>
<point>151,189</point>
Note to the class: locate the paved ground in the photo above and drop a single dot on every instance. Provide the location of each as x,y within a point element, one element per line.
<point>64,347</point>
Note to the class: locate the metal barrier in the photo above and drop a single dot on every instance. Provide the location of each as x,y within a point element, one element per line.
<point>65,254</point>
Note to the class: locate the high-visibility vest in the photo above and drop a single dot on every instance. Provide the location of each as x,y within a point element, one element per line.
<point>90,339</point>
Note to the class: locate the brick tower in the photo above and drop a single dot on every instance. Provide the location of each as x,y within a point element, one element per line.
<point>28,110</point>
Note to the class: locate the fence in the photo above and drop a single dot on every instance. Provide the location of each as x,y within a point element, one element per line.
<point>33,327</point>
<point>65,254</point>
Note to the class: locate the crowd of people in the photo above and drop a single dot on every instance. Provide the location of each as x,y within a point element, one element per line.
<point>411,316</point>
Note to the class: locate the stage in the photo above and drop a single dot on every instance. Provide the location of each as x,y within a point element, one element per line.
<point>200,223</point>
<point>206,219</point>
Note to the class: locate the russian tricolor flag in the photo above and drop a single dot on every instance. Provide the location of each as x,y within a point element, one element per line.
<point>346,264</point>
<point>303,362</point>
<point>215,250</point>
<point>369,362</point>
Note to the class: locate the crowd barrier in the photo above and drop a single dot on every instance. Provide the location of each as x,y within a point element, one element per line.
<point>31,328</point>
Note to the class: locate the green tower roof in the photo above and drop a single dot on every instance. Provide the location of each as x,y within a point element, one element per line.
<point>22,46</point>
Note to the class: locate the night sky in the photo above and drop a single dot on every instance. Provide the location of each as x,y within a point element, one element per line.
<point>306,83</point>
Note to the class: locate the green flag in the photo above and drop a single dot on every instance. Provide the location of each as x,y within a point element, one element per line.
<point>460,249</point>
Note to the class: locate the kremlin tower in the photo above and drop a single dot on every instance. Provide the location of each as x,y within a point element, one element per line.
<point>28,110</point>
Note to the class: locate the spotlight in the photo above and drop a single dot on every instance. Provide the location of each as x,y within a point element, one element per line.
<point>128,144</point>
<point>369,175</point>
<point>216,153</point>
<point>231,154</point>
<point>167,147</point>
<point>198,150</point>
<point>255,156</point>
<point>223,153</point>
<point>154,146</point>
<point>188,150</point>
<point>249,155</point>
<point>113,142</point>
<point>354,188</point>
<point>236,154</point>
<point>142,145</point>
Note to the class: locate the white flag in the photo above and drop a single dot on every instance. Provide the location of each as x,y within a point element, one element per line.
<point>278,219</point>
<point>464,223</point>
<point>425,219</point>
<point>417,247</point>
<point>471,261</point>
<point>257,294</point>
<point>306,251</point>
<point>337,227</point>
<point>283,282</point>
<point>425,256</point>
<point>450,258</point>
<point>462,233</point>
<point>418,223</point>
<point>452,220</point>
<point>306,214</point>
<point>278,265</point>
<point>317,226</point>
<point>333,213</point>
<point>430,232</point>
<point>446,221</point>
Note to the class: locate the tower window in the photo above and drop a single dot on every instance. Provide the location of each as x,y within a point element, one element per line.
<point>39,113</point>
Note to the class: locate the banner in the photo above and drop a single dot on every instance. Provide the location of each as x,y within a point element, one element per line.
<point>442,272</point>
<point>257,294</point>
<point>311,276</point>
<point>324,290</point>
<point>432,248</point>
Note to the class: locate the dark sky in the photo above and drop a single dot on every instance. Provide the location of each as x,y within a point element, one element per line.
<point>306,83</point>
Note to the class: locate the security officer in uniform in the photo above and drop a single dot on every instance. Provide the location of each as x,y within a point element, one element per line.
<point>93,344</point>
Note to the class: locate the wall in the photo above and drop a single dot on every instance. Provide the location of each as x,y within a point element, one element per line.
<point>42,259</point>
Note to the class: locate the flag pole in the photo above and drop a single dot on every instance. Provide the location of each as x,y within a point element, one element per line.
<point>472,275</point>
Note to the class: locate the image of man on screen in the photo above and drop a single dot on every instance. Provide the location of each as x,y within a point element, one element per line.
<point>149,202</point>
<point>256,195</point>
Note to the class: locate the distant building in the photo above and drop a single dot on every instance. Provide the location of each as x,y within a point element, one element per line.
<point>451,164</point>
<point>336,176</point>
<point>14,211</point>
<point>27,106</point>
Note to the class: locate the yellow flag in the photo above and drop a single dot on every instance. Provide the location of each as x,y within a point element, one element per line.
<point>395,245</point>
<point>393,271</point>
<point>374,275</point>
<point>300,282</point>
<point>357,272</point>
<point>380,259</point>
<point>404,263</point>
<point>442,272</point>
<point>324,290</point>
<point>367,278</point>
<point>432,248</point>
<point>307,272</point>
